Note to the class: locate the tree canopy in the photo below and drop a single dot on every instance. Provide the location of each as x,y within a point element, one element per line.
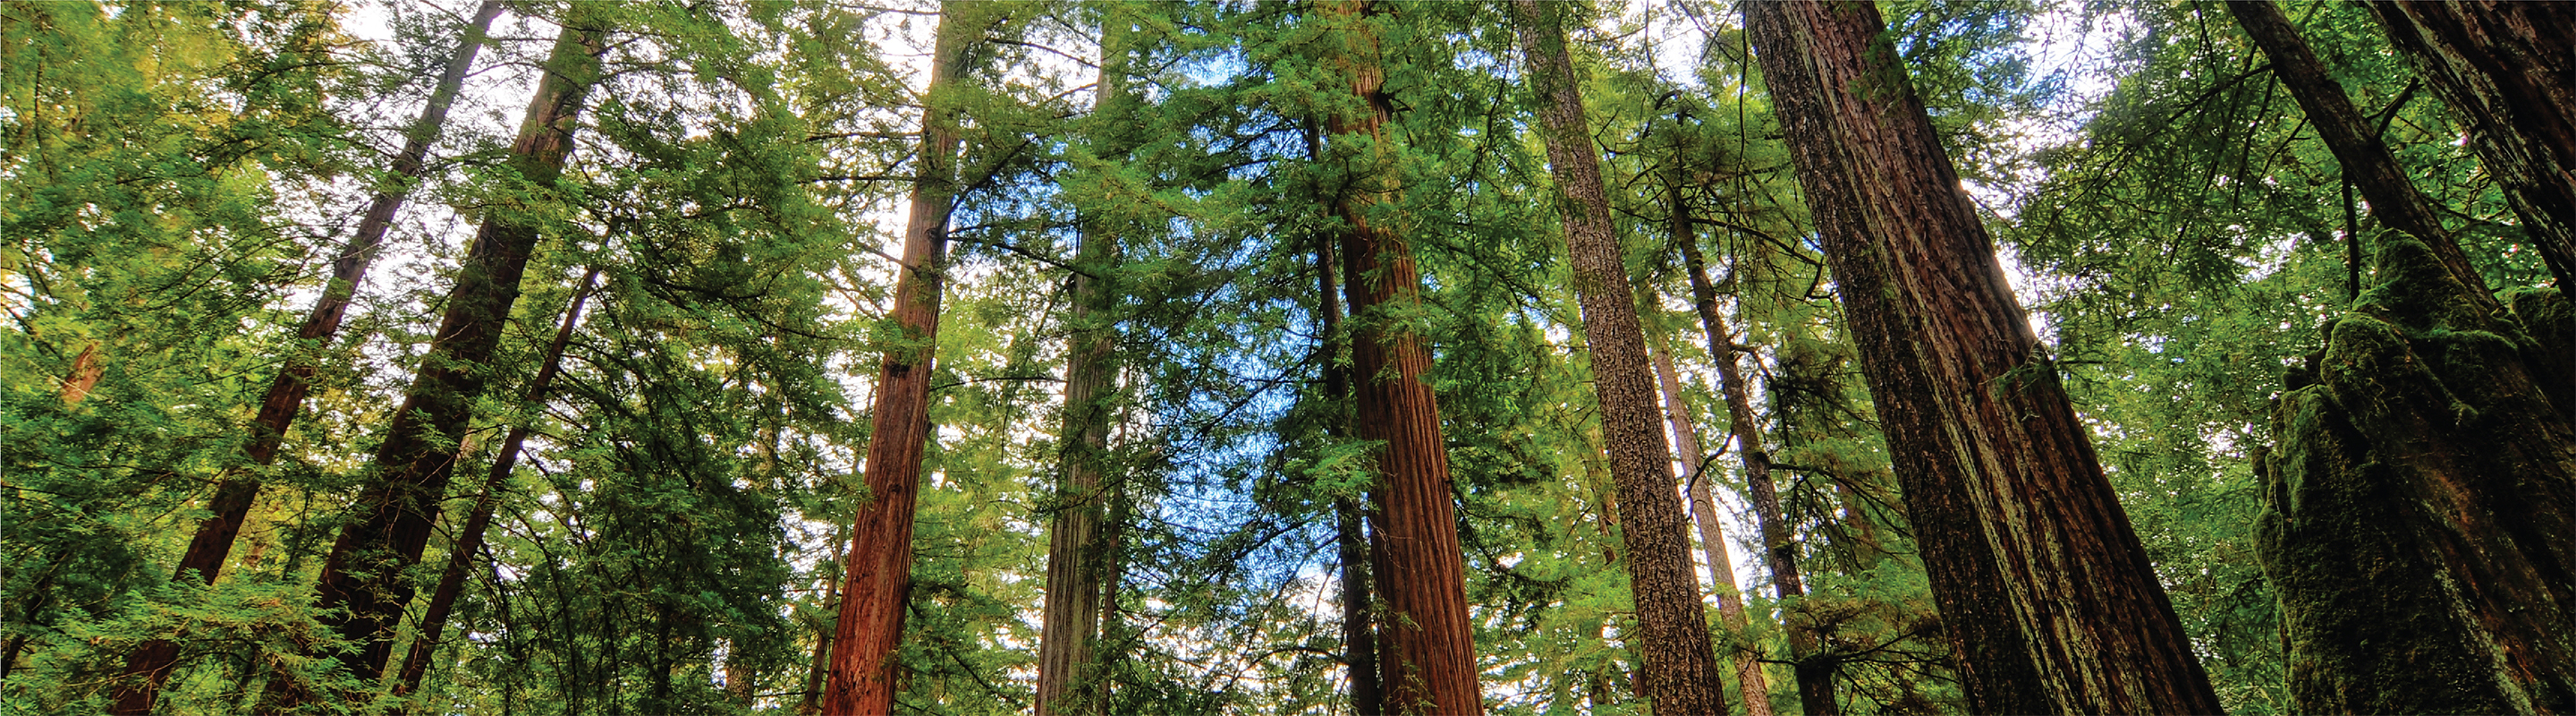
<point>1293,356</point>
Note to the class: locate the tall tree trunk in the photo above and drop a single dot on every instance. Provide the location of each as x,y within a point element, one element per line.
<point>2506,72</point>
<point>1072,620</point>
<point>1680,669</point>
<point>149,665</point>
<point>2041,582</point>
<point>1712,536</point>
<point>1814,671</point>
<point>468,539</point>
<point>818,667</point>
<point>1350,518</point>
<point>1429,665</point>
<point>2353,138</point>
<point>878,575</point>
<point>362,584</point>
<point>2426,459</point>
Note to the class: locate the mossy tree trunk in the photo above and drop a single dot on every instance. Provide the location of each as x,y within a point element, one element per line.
<point>2041,582</point>
<point>2422,495</point>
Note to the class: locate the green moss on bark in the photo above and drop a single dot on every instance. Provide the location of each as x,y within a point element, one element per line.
<point>2418,509</point>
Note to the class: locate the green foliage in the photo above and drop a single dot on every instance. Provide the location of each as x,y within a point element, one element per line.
<point>173,178</point>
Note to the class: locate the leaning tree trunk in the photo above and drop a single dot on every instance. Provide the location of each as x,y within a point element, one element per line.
<point>877,578</point>
<point>1072,619</point>
<point>363,590</point>
<point>468,539</point>
<point>2043,586</point>
<point>1712,537</point>
<point>1429,666</point>
<point>2421,455</point>
<point>1680,669</point>
<point>149,665</point>
<point>2508,74</point>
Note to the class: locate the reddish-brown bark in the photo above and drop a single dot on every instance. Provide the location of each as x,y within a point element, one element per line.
<point>2042,584</point>
<point>1350,515</point>
<point>235,492</point>
<point>1680,673</point>
<point>1427,663</point>
<point>87,369</point>
<point>362,585</point>
<point>877,578</point>
<point>469,537</point>
<point>2506,72</point>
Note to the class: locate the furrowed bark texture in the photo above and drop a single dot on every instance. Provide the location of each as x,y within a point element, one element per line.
<point>364,572</point>
<point>1429,665</point>
<point>2043,586</point>
<point>2416,516</point>
<point>2507,73</point>
<point>149,665</point>
<point>1074,551</point>
<point>2427,454</point>
<point>1680,668</point>
<point>1756,689</point>
<point>877,578</point>
<point>468,539</point>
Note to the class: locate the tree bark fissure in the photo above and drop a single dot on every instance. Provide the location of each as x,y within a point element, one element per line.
<point>2427,457</point>
<point>2042,584</point>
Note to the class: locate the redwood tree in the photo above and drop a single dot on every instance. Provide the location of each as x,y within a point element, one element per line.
<point>1680,674</point>
<point>149,665</point>
<point>1075,551</point>
<point>1427,662</point>
<point>877,576</point>
<point>363,588</point>
<point>2042,584</point>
